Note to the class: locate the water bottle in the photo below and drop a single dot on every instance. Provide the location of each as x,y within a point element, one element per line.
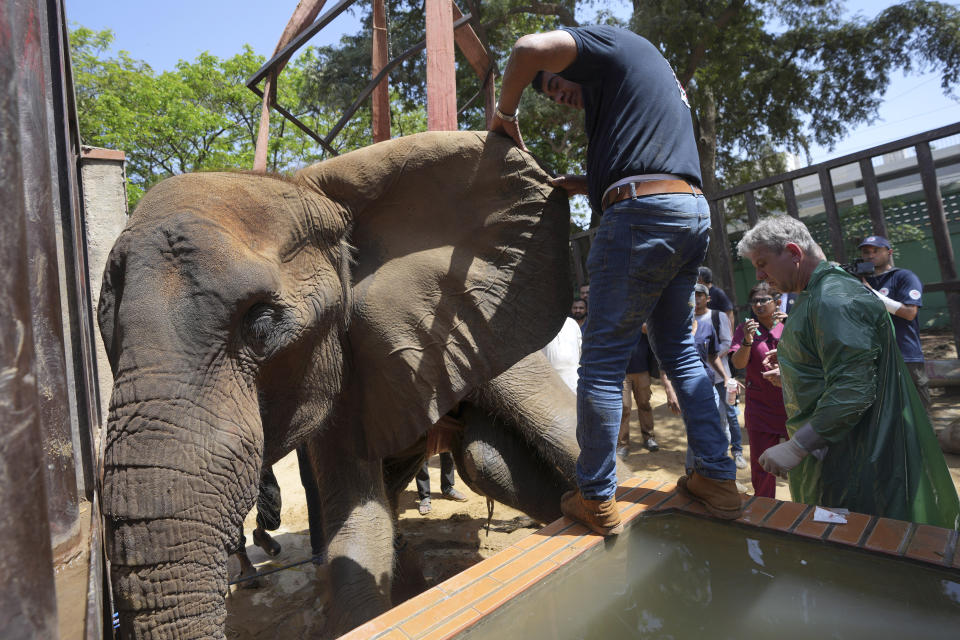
<point>731,392</point>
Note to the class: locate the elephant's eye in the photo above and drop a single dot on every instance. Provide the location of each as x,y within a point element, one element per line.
<point>259,325</point>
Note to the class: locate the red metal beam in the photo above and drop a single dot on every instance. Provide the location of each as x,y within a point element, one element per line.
<point>381,95</point>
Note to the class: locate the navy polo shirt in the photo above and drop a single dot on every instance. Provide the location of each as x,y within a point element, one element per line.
<point>637,114</point>
<point>905,287</point>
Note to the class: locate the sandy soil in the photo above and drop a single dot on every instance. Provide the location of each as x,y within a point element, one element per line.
<point>454,535</point>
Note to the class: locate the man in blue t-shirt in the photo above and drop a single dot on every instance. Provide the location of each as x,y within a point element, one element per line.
<point>901,292</point>
<point>643,176</point>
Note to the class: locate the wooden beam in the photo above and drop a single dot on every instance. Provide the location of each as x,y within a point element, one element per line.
<point>833,216</point>
<point>470,45</point>
<point>752,215</point>
<point>381,94</point>
<point>872,191</point>
<point>790,198</point>
<point>941,233</point>
<point>722,264</point>
<point>441,73</point>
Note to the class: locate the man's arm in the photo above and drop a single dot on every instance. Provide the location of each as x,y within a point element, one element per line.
<point>725,334</point>
<point>551,51</point>
<point>848,345</point>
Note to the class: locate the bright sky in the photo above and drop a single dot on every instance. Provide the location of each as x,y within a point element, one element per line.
<point>163,33</point>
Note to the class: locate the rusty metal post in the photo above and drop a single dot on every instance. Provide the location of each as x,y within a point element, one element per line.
<point>28,605</point>
<point>877,222</point>
<point>441,74</point>
<point>381,95</point>
<point>941,233</point>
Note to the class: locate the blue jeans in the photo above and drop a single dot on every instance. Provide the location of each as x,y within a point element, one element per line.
<point>736,438</point>
<point>642,266</point>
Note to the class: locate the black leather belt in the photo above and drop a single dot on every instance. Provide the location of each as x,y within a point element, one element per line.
<point>647,188</point>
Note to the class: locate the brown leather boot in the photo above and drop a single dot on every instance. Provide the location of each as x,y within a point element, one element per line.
<point>720,497</point>
<point>600,515</point>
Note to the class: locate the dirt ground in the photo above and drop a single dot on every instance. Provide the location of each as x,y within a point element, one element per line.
<point>454,536</point>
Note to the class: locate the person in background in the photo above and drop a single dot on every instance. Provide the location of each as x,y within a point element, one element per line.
<point>447,478</point>
<point>578,311</point>
<point>724,330</point>
<point>641,369</point>
<point>585,292</point>
<point>563,352</point>
<point>719,300</point>
<point>901,292</point>
<point>763,412</point>
<point>860,438</point>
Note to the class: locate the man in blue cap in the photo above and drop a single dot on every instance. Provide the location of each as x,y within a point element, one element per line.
<point>901,292</point>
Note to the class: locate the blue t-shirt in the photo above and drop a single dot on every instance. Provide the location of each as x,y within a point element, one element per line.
<point>905,287</point>
<point>708,343</point>
<point>637,114</point>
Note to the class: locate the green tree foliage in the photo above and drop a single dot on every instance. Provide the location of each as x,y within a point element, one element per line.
<point>197,117</point>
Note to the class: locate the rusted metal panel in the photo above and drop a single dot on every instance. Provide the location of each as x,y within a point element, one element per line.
<point>27,601</point>
<point>43,278</point>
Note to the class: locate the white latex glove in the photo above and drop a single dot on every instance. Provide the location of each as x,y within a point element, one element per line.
<point>892,306</point>
<point>780,459</point>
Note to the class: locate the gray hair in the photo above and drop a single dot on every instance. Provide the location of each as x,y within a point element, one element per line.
<point>774,232</point>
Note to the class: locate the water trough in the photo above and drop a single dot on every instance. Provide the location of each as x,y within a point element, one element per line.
<point>678,573</point>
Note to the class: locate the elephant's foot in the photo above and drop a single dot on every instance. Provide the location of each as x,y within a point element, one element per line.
<point>266,542</point>
<point>408,580</point>
<point>247,571</point>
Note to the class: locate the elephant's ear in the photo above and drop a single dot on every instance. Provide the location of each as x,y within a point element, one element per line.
<point>461,270</point>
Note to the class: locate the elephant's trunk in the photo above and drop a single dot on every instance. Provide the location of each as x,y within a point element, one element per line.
<point>179,477</point>
<point>495,461</point>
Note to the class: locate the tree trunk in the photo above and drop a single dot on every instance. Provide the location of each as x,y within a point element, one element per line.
<point>718,256</point>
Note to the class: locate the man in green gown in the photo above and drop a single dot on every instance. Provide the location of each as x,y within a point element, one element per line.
<point>859,435</point>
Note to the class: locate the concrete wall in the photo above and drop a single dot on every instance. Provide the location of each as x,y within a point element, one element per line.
<point>103,175</point>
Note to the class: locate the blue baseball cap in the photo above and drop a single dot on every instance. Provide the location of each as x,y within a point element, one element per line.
<point>875,241</point>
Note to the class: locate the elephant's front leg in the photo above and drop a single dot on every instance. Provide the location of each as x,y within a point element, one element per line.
<point>359,533</point>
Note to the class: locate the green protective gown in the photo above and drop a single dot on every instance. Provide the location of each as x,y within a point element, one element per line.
<point>843,373</point>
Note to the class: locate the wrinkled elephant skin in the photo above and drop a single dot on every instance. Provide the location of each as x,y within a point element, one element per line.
<point>352,305</point>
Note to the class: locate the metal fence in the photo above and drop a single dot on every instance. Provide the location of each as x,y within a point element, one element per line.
<point>934,212</point>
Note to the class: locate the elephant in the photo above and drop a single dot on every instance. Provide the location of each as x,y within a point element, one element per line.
<point>349,307</point>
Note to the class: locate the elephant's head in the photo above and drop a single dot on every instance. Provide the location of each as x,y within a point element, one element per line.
<point>242,313</point>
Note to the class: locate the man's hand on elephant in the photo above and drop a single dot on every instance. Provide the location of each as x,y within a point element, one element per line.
<point>575,185</point>
<point>780,459</point>
<point>511,129</point>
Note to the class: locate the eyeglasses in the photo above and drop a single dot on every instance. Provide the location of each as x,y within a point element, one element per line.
<point>757,301</point>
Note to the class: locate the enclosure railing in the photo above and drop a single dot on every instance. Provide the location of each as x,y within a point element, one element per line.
<point>926,166</point>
